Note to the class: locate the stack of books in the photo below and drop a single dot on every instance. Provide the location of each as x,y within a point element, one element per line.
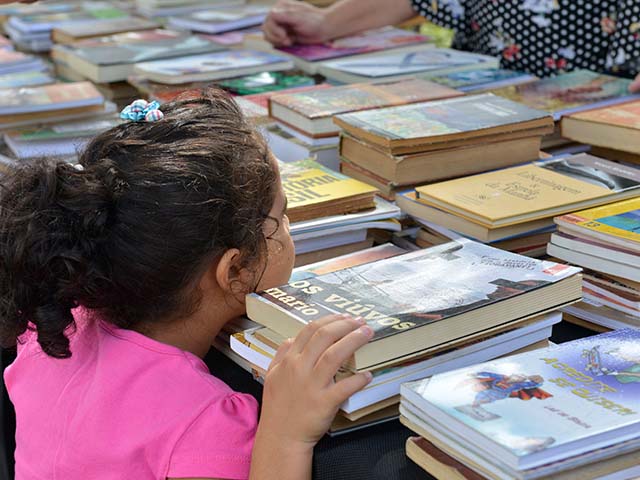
<point>32,32</point>
<point>432,310</point>
<point>613,132</point>
<point>521,201</point>
<point>23,110</point>
<point>330,213</point>
<point>215,21</point>
<point>366,46</point>
<point>308,116</point>
<point>12,63</point>
<point>606,242</point>
<point>400,147</point>
<point>565,412</point>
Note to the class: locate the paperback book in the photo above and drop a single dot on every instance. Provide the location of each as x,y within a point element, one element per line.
<point>214,21</point>
<point>49,97</point>
<point>480,79</point>
<point>421,299</point>
<point>533,409</point>
<point>266,82</point>
<point>570,92</point>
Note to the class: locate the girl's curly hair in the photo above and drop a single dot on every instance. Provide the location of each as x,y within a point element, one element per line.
<point>129,234</point>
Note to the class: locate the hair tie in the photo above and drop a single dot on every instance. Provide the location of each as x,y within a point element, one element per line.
<point>142,111</point>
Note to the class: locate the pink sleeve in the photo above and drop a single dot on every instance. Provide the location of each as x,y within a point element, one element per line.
<point>218,443</point>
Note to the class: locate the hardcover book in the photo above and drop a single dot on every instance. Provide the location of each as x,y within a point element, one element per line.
<point>265,82</point>
<point>49,97</point>
<point>315,191</point>
<point>538,190</point>
<point>212,66</point>
<point>421,299</point>
<point>569,92</point>
<point>312,112</point>
<point>366,42</point>
<point>530,410</point>
<point>417,125</point>
<point>390,65</point>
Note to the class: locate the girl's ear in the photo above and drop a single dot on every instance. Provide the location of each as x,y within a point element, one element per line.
<point>231,278</point>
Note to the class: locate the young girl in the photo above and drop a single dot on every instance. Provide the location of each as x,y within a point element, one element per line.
<point>115,277</point>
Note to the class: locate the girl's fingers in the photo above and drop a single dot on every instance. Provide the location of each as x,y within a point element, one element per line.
<point>281,353</point>
<point>333,356</point>
<point>308,331</point>
<point>324,341</point>
<point>350,385</point>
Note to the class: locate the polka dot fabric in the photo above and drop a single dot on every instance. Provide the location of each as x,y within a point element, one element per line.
<point>545,37</point>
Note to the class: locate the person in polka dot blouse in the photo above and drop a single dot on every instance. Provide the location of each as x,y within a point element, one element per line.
<point>542,37</point>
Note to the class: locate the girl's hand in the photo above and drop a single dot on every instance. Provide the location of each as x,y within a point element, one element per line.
<point>300,398</point>
<point>292,21</point>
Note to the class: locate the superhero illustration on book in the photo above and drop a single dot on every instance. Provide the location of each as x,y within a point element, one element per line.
<point>626,353</point>
<point>492,387</point>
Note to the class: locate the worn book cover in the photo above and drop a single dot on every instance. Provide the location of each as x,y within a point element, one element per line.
<point>307,183</point>
<point>428,60</point>
<point>262,99</point>
<point>409,291</point>
<point>626,115</point>
<point>366,42</point>
<point>518,192</point>
<point>442,117</point>
<point>105,27</point>
<point>132,47</point>
<point>620,220</point>
<point>569,91</point>
<point>349,98</point>
<point>476,79</point>
<point>265,82</point>
<point>539,406</point>
<point>48,97</point>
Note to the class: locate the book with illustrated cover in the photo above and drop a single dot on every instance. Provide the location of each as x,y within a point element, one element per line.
<point>366,42</point>
<point>617,223</point>
<point>480,79</point>
<point>312,112</point>
<point>56,131</point>
<point>614,127</point>
<point>212,66</point>
<point>315,191</point>
<point>265,82</point>
<point>395,65</point>
<point>45,22</point>
<point>25,79</point>
<point>263,99</point>
<point>421,299</point>
<point>412,128</point>
<point>530,410</point>
<point>570,92</point>
<point>529,192</point>
<point>76,31</point>
<point>216,21</point>
<point>49,97</point>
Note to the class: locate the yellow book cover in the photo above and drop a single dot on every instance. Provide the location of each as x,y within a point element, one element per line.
<point>538,190</point>
<point>620,220</point>
<point>308,183</point>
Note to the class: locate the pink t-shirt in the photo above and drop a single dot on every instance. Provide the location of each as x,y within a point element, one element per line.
<point>125,407</point>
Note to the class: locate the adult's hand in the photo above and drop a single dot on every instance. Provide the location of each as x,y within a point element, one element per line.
<point>291,21</point>
<point>635,85</point>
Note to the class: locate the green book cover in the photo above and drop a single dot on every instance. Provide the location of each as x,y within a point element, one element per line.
<point>265,82</point>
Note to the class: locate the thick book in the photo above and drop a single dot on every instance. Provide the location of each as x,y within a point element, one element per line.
<point>266,82</point>
<point>76,31</point>
<point>313,112</point>
<point>430,125</point>
<point>570,92</point>
<point>111,59</point>
<point>617,223</point>
<point>615,127</point>
<point>315,191</point>
<point>59,96</point>
<point>216,21</point>
<point>419,300</point>
<point>213,66</point>
<point>579,399</point>
<point>392,66</point>
<point>480,79</point>
<point>534,191</point>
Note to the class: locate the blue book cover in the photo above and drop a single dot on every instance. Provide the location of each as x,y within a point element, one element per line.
<point>469,80</point>
<point>534,408</point>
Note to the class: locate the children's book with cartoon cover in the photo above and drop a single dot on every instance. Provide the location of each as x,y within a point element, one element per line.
<point>366,42</point>
<point>570,92</point>
<point>538,407</point>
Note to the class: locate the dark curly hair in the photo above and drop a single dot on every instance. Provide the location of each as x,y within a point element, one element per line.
<point>128,235</point>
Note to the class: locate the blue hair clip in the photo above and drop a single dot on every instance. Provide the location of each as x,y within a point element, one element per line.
<point>142,111</point>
